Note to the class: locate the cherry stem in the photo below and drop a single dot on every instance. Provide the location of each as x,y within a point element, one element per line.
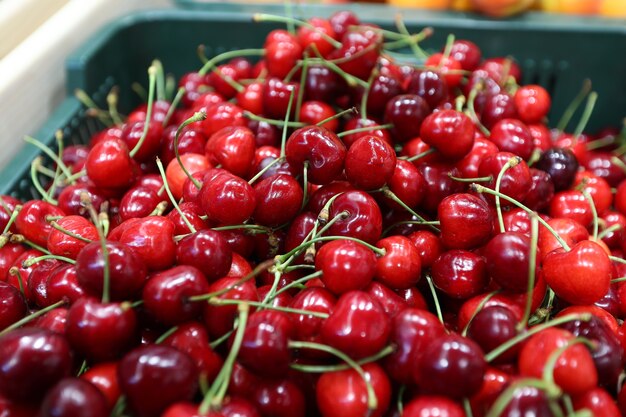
<point>283,140</point>
<point>140,91</point>
<point>214,344</point>
<point>594,212</point>
<point>37,184</point>
<point>532,269</point>
<point>273,122</point>
<point>237,86</point>
<point>392,196</point>
<point>400,397</point>
<point>459,102</point>
<point>32,261</point>
<point>318,369</point>
<point>481,189</point>
<point>507,395</point>
<point>100,227</point>
<point>13,216</point>
<point>600,143</point>
<point>514,161</point>
<point>214,398</point>
<point>146,125</point>
<point>160,79</point>
<point>332,65</point>
<point>165,335</point>
<point>190,226</point>
<point>55,158</point>
<point>489,357</point>
<point>57,171</point>
<point>548,370</point>
<point>20,280</point>
<point>447,50</point>
<point>366,93</point>
<point>433,291</point>
<point>479,308</point>
<point>364,129</point>
<point>608,230</point>
<point>337,116</point>
<point>177,98</point>
<point>228,55</point>
<point>264,304</point>
<point>31,317</point>
<point>471,98</point>
<point>372,401</point>
<point>253,228</point>
<point>421,155</point>
<point>198,116</point>
<point>303,75</point>
<point>298,282</point>
<point>476,179</point>
<point>305,185</point>
<point>264,170</point>
<point>112,102</point>
<point>263,17</point>
<point>584,119</point>
<point>16,238</point>
<point>417,222</point>
<point>413,39</point>
<point>573,106</point>
<point>92,108</point>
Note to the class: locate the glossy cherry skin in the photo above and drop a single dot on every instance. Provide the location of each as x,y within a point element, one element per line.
<point>279,398</point>
<point>571,204</point>
<point>447,66</point>
<point>9,253</point>
<point>320,148</point>
<point>109,164</point>
<point>561,164</point>
<point>32,361</point>
<point>104,377</point>
<point>307,328</point>
<point>601,164</point>
<point>541,190</point>
<point>460,274</point>
<point>60,243</point>
<point>570,231</point>
<point>493,326</point>
<point>12,305</point>
<point>508,260</point>
<point>359,51</point>
<point>411,331</point>
<point>438,184</point>
<point>466,221</point>
<point>206,250</point>
<point>315,112</point>
<point>127,272</point>
<point>511,135</point>
<point>599,402</point>
<point>406,112</point>
<point>267,336</point>
<point>528,401</point>
<point>450,132</point>
<point>515,181</point>
<point>154,377</point>
<point>532,103</point>
<point>346,265</point>
<point>344,394</point>
<point>221,115</point>
<point>100,331</point>
<point>370,162</point>
<point>276,95</point>
<point>431,406</point>
<point>53,320</point>
<point>597,188</point>
<point>232,147</point>
<point>7,206</point>
<point>151,237</point>
<point>406,183</point>
<point>281,56</point>
<point>574,371</point>
<point>323,194</point>
<point>429,85</point>
<point>446,361</point>
<point>400,267</point>
<point>569,273</point>
<point>358,326</point>
<point>428,245</point>
<point>62,284</point>
<point>191,140</point>
<point>278,200</point>
<point>468,166</point>
<point>31,220</point>
<point>227,199</point>
<point>74,397</point>
<point>139,202</point>
<point>166,294</point>
<point>391,302</point>
<point>363,221</point>
<point>219,319</point>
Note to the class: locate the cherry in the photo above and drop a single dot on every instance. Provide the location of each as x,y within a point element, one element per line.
<point>240,267</point>
<point>446,361</point>
<point>126,269</point>
<point>321,84</point>
<point>406,183</point>
<point>532,103</point>
<point>438,184</point>
<point>133,132</point>
<point>541,190</point>
<point>448,67</point>
<point>177,178</point>
<point>466,53</point>
<point>278,200</point>
<point>219,319</point>
<point>359,51</point>
<point>428,245</point>
<point>567,272</point>
<point>511,135</point>
<point>54,320</point>
<point>500,68</point>
<point>32,222</point>
<point>18,277</point>
<point>344,393</point>
<point>74,397</point>
<point>206,250</point>
<point>391,302</point>
<point>450,132</point>
<point>13,306</point>
<point>597,188</point>
<point>138,202</point>
<point>32,361</point>
<point>429,85</point>
<point>406,112</point>
<point>279,398</point>
<point>610,218</point>
<point>602,164</point>
<point>570,231</point>
<point>574,371</point>
<point>63,244</point>
<point>494,383</point>
<point>100,331</point>
<point>515,181</point>
<point>314,112</point>
<point>104,377</point>
<point>572,204</point>
<point>466,221</point>
<point>346,266</point>
<point>166,294</point>
<point>400,267</point>
<point>154,377</point>
<point>431,406</point>
<point>9,254</point>
<point>508,260</point>
<point>62,285</point>
<point>187,409</point>
<point>363,219</point>
<point>561,164</point>
<point>281,56</point>
<point>528,401</point>
<point>341,21</point>
<point>370,162</point>
<point>7,206</point>
<point>598,402</point>
<point>491,327</point>
<point>307,327</point>
<point>468,166</point>
<point>323,194</point>
<point>460,274</point>
<point>497,107</point>
<point>71,199</point>
<point>276,97</point>
<point>191,140</point>
<point>232,147</point>
<point>221,115</point>
<point>227,199</point>
<point>320,149</point>
<point>411,331</point>
<point>109,164</point>
<point>357,326</point>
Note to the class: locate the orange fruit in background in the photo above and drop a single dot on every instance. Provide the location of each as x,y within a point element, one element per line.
<point>613,8</point>
<point>571,6</point>
<point>462,5</point>
<point>423,4</point>
<point>501,8</point>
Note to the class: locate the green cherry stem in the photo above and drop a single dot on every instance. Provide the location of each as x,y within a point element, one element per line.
<point>507,395</point>
<point>372,400</point>
<point>594,212</point>
<point>151,87</point>
<point>364,129</point>
<point>337,116</point>
<point>13,216</point>
<point>392,196</point>
<point>471,98</point>
<point>514,161</point>
<point>99,221</point>
<point>177,98</point>
<point>584,119</point>
<point>386,351</point>
<point>211,63</point>
<point>58,136</point>
<point>63,230</point>
<point>171,197</point>
<point>532,269</point>
<point>479,307</point>
<point>165,335</point>
<point>31,317</point>
<point>489,357</point>
<point>198,116</point>
<point>303,75</point>
<point>55,158</point>
<point>297,283</point>
<point>32,261</point>
<point>573,106</point>
<point>548,369</point>
<point>283,140</point>
<point>264,304</point>
<point>15,271</point>
<point>433,291</point>
<point>420,155</point>
<point>414,39</point>
<point>273,122</point>
<point>609,230</point>
<point>476,179</point>
<point>112,98</point>
<point>160,79</point>
<point>37,184</point>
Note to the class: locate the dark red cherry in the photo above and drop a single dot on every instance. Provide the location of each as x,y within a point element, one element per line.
<point>227,199</point>
<point>346,265</point>
<point>62,284</point>
<point>431,406</point>
<point>468,166</point>
<point>369,163</point>
<point>438,184</point>
<point>53,320</point>
<point>219,319</point>
<point>493,326</point>
<point>321,84</point>
<point>467,53</point>
<point>497,107</point>
<point>154,377</point>
<point>74,397</point>
<point>429,85</point>
<point>206,250</point>
<point>191,140</point>
<point>406,183</point>
<point>561,164</point>
<point>460,274</point>
<point>515,181</point>
<point>193,213</point>
<point>541,190</point>
<point>279,398</point>
<point>508,260</point>
<point>9,254</point>
<point>151,144</point>
<point>428,245</point>
<point>528,401</point>
<point>7,205</point>
<point>401,266</point>
<point>406,113</point>
<point>363,220</point>
<point>278,200</point>
<point>32,361</point>
<point>13,305</point>
<point>276,98</point>
<point>323,194</point>
<point>70,199</point>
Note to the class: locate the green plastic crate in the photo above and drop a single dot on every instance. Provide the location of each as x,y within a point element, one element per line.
<point>556,52</point>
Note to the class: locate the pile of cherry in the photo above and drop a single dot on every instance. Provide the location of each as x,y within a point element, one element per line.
<point>248,248</point>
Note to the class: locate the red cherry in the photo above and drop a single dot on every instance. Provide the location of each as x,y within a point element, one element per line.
<point>232,147</point>
<point>599,402</point>
<point>370,162</point>
<point>32,221</point>
<point>391,302</point>
<point>109,164</point>
<point>279,398</point>
<point>406,113</point>
<point>400,267</point>
<point>508,260</point>
<point>346,266</point>
<point>227,199</point>
<point>406,183</point>
<point>460,274</point>
<point>74,397</point>
<point>61,243</point>
<point>104,377</point>
<point>278,200</point>
<point>221,115</point>
<point>344,393</point>
<point>312,36</point>
<point>468,166</point>
<point>597,188</point>
<point>206,250</point>
<point>569,230</point>
<point>467,53</point>
<point>572,204</point>
<point>132,133</point>
<point>13,305</point>
<point>359,51</point>
<point>220,319</point>
<point>516,180</point>
<point>176,177</point>
<point>314,112</point>
<point>281,56</point>
<point>513,136</point>
<point>447,66</point>
<point>429,85</point>
<point>431,406</point>
<point>450,132</point>
<point>466,221</point>
<point>532,103</point>
<point>62,284</point>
